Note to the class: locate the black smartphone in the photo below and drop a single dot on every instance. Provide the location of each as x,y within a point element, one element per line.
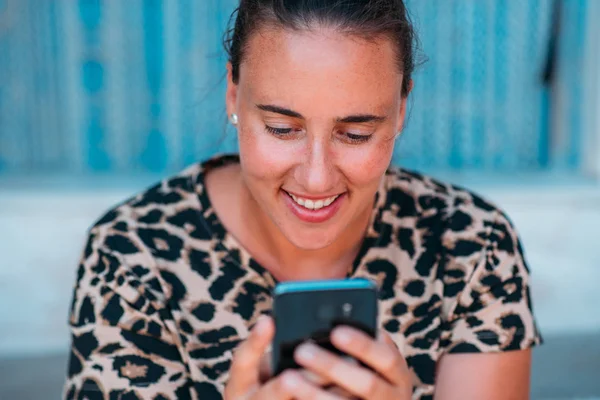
<point>309,310</point>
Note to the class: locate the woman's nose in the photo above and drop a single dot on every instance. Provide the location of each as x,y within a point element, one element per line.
<point>317,172</point>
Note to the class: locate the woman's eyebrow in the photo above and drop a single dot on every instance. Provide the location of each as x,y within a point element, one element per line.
<point>350,119</point>
<point>360,118</point>
<point>279,110</point>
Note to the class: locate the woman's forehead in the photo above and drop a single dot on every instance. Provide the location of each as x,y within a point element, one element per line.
<point>319,59</point>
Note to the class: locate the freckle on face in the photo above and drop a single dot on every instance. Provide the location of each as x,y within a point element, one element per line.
<point>323,75</point>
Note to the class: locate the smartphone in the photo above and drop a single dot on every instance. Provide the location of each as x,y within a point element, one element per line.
<point>309,310</point>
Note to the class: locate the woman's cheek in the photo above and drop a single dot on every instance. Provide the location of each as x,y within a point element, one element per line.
<point>264,156</point>
<point>364,165</point>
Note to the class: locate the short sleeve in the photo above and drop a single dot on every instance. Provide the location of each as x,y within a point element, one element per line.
<point>487,295</point>
<point>122,344</point>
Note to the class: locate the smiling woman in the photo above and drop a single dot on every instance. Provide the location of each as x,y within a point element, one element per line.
<point>173,280</point>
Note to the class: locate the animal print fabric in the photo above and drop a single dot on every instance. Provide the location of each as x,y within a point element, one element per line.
<point>164,293</point>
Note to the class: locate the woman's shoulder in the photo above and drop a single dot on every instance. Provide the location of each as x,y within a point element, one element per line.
<point>413,194</point>
<point>445,218</point>
<point>154,204</point>
<point>157,221</point>
<point>174,202</point>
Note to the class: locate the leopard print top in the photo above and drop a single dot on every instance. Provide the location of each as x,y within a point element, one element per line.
<point>164,293</point>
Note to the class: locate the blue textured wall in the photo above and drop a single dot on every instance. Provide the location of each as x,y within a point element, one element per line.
<point>129,85</point>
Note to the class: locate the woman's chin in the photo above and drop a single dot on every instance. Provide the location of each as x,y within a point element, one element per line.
<point>309,240</point>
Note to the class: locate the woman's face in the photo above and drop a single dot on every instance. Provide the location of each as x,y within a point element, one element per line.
<point>318,114</point>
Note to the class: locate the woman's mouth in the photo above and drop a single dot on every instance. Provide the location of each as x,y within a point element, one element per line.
<point>314,204</point>
<point>313,210</point>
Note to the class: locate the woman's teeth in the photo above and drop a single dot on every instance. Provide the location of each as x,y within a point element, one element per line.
<point>313,204</point>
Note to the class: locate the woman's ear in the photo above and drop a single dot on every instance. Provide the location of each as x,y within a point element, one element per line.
<point>231,93</point>
<point>403,105</point>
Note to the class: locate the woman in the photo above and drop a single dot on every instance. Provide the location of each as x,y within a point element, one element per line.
<point>173,281</point>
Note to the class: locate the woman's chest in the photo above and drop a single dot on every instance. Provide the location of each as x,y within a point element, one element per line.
<point>211,329</point>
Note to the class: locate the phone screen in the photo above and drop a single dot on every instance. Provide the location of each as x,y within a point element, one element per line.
<point>309,310</point>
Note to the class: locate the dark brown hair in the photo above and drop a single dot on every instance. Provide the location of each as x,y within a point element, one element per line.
<point>369,19</point>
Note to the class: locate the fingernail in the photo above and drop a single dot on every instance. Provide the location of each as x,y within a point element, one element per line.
<point>342,335</point>
<point>306,351</point>
<point>291,380</point>
<point>261,324</point>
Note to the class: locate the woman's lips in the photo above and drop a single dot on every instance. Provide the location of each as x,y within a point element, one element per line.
<point>313,216</point>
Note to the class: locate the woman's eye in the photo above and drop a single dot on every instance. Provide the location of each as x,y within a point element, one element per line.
<point>355,138</point>
<point>350,137</point>
<point>278,131</point>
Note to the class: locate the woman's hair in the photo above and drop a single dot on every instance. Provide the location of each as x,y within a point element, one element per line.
<point>369,19</point>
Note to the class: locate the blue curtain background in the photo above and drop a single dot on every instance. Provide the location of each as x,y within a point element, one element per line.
<point>138,85</point>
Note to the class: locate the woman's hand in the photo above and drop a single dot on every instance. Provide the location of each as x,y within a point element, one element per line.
<point>249,379</point>
<point>390,378</point>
